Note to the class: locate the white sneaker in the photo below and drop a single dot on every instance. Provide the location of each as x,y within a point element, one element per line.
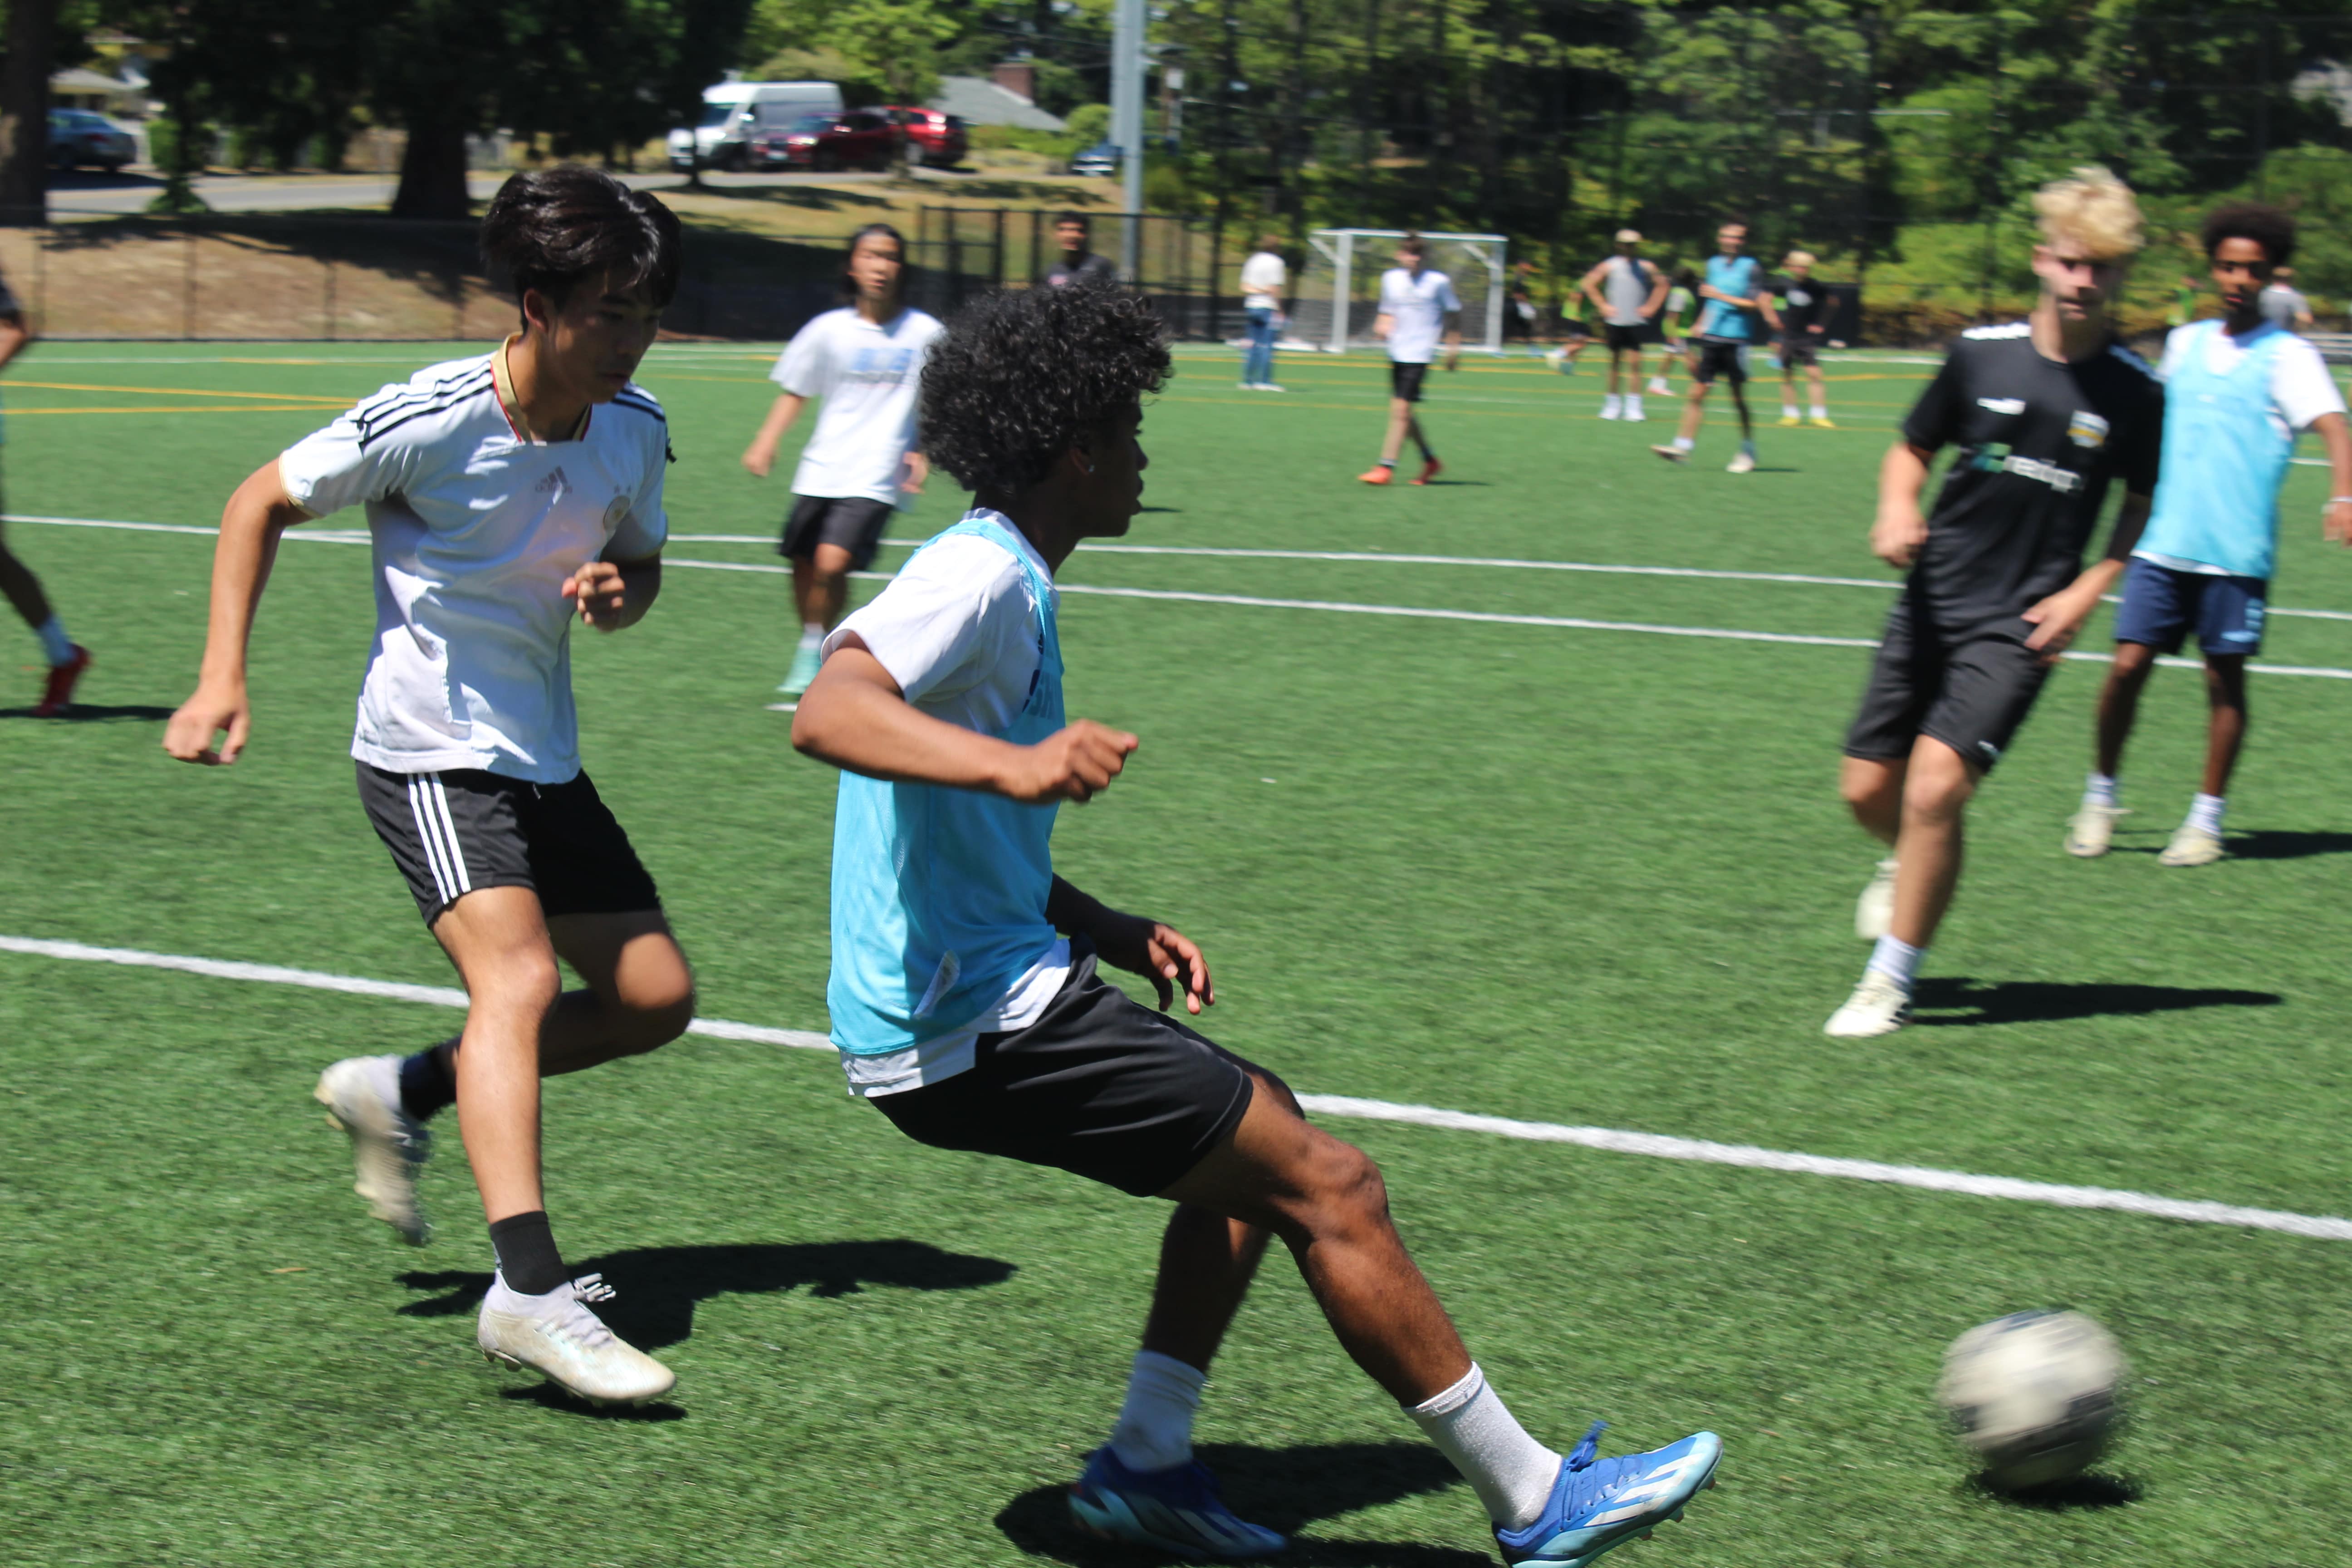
<point>1744,463</point>
<point>557,1336</point>
<point>2192,846</point>
<point>1879,1005</point>
<point>1268,387</point>
<point>1633,415</point>
<point>1660,387</point>
<point>1611,411</point>
<point>1874,912</point>
<point>1673,454</point>
<point>2090,830</point>
<point>362,1095</point>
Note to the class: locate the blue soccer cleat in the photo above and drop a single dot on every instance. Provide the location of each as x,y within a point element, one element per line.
<point>1176,1509</point>
<point>1599,1503</point>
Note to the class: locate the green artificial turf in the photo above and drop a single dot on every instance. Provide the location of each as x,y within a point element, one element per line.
<point>1533,871</point>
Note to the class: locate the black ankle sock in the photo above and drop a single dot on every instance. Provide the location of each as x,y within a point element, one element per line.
<point>428,1084</point>
<point>527,1255</point>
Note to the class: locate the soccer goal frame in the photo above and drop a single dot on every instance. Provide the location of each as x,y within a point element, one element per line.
<point>1345,248</point>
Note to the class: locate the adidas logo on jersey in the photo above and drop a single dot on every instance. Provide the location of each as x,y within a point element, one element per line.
<point>555,484</point>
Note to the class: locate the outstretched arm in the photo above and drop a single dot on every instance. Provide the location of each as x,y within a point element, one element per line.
<point>256,516</point>
<point>760,454</point>
<point>1160,953</point>
<point>855,717</point>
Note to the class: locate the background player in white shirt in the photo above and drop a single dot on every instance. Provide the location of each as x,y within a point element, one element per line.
<point>505,494</point>
<point>17,585</point>
<point>866,362</point>
<point>1416,307</point>
<point>1263,277</point>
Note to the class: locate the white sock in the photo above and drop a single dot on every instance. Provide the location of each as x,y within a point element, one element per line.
<point>54,642</point>
<point>1682,442</point>
<point>1510,1471</point>
<point>2101,789</point>
<point>2205,812</point>
<point>1632,403</point>
<point>1608,401</point>
<point>1821,411</point>
<point>1155,1425</point>
<point>1788,411</point>
<point>811,634</point>
<point>1658,385</point>
<point>1899,960</point>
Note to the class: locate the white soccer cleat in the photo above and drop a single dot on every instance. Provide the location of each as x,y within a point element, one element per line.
<point>2192,846</point>
<point>1744,463</point>
<point>557,1336</point>
<point>2090,830</point>
<point>1879,1005</point>
<point>1611,411</point>
<point>389,1146</point>
<point>1673,454</point>
<point>1874,912</point>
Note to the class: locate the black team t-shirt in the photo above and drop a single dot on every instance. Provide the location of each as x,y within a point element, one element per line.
<point>1088,269</point>
<point>1804,303</point>
<point>2039,441</point>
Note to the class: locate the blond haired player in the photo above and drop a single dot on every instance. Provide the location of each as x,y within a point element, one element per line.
<point>1805,308</point>
<point>2046,413</point>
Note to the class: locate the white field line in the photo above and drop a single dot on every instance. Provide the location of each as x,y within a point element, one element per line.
<point>1411,612</point>
<point>1608,1139</point>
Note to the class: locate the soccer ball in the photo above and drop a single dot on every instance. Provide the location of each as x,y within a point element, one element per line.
<point>2035,1395</point>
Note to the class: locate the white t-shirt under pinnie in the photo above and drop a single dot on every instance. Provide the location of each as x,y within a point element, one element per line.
<point>474,528</point>
<point>957,629</point>
<point>869,378</point>
<point>1416,308</point>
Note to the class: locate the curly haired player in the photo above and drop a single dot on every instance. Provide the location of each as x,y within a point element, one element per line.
<point>507,495</point>
<point>965,997</point>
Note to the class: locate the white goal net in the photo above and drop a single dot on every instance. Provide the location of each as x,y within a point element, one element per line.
<point>1339,288</point>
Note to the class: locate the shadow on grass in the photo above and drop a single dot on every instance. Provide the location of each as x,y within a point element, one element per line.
<point>1283,1488</point>
<point>656,1288</point>
<point>87,713</point>
<point>2077,1492</point>
<point>547,1397</point>
<point>2268,844</point>
<point>2046,1001</point>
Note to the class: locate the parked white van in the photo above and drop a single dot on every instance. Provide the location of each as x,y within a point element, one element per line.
<point>733,110</point>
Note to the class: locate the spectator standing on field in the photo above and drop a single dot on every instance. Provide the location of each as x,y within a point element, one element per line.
<point>1079,261</point>
<point>1629,293</point>
<point>1264,278</point>
<point>2284,305</point>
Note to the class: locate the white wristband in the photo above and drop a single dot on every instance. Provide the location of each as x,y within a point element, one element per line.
<point>2339,500</point>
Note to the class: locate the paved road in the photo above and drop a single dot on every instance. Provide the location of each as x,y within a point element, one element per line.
<point>88,193</point>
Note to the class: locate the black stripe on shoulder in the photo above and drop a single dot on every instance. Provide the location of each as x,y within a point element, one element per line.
<point>443,397</point>
<point>372,434</point>
<point>409,391</point>
<point>642,403</point>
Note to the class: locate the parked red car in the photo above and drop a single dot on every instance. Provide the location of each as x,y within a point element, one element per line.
<point>933,136</point>
<point>854,139</point>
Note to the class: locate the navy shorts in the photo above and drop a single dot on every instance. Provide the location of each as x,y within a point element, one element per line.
<point>2162,605</point>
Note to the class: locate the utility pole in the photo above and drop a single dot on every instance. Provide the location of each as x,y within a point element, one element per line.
<point>1127,20</point>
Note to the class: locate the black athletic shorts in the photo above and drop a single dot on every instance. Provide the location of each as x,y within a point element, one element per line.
<point>1404,381</point>
<point>1635,338</point>
<point>1099,1085</point>
<point>450,833</point>
<point>1969,688</point>
<point>1726,357</point>
<point>853,522</point>
<point>1800,352</point>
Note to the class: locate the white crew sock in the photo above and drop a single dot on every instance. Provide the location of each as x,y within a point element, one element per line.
<point>1682,442</point>
<point>1899,960</point>
<point>811,634</point>
<point>1821,410</point>
<point>2205,812</point>
<point>1510,1471</point>
<point>1788,411</point>
<point>1610,402</point>
<point>1634,403</point>
<point>1155,1425</point>
<point>55,643</point>
<point>2101,789</point>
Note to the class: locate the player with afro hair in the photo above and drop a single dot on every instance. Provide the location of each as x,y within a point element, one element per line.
<point>965,996</point>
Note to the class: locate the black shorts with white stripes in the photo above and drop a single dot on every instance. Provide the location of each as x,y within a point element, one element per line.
<point>452,833</point>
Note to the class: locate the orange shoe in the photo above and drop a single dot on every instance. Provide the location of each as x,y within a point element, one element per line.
<point>1430,469</point>
<point>1381,474</point>
<point>58,696</point>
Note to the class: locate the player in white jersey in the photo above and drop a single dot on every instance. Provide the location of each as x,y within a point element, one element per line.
<point>67,659</point>
<point>505,495</point>
<point>1417,306</point>
<point>1629,293</point>
<point>866,362</point>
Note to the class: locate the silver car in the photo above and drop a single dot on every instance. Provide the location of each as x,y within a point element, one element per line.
<point>79,137</point>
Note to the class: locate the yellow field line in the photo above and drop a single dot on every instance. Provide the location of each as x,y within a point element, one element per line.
<point>183,392</point>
